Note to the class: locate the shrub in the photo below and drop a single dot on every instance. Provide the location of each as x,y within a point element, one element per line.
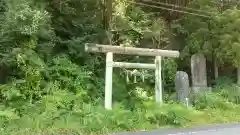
<point>211,100</point>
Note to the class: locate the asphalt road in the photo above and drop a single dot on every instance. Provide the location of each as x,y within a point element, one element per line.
<point>221,129</point>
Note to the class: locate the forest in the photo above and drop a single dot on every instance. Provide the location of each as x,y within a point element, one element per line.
<point>50,85</point>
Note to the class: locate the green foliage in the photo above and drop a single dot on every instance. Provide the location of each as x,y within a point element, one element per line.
<point>56,115</point>
<point>217,35</point>
<point>223,82</point>
<point>62,111</point>
<point>212,100</point>
<point>232,93</point>
<point>169,71</point>
<point>133,25</point>
<point>49,85</point>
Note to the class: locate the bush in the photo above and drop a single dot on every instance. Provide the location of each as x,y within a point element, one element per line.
<point>211,100</point>
<point>170,114</point>
<point>64,112</point>
<point>87,118</point>
<point>231,93</point>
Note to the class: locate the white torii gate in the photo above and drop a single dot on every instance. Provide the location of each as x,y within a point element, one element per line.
<point>109,50</point>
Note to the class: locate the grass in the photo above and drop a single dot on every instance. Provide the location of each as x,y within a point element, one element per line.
<point>46,118</point>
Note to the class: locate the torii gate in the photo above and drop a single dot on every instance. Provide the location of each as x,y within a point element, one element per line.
<point>109,50</point>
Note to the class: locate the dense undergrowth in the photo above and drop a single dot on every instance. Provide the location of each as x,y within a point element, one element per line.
<point>64,113</point>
